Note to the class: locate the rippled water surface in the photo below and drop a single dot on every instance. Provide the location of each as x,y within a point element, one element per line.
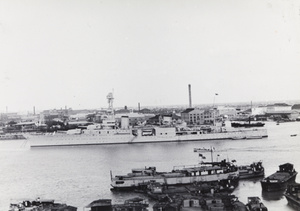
<point>79,175</point>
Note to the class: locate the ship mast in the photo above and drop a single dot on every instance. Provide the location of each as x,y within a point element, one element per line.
<point>110,99</point>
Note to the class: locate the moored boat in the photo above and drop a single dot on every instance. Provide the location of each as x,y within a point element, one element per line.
<point>255,204</point>
<point>39,205</point>
<point>292,195</point>
<point>213,203</point>
<point>293,135</point>
<point>180,175</point>
<point>11,136</point>
<point>254,137</point>
<point>253,170</point>
<point>192,203</point>
<point>158,191</point>
<point>137,204</point>
<point>279,180</point>
<point>247,124</point>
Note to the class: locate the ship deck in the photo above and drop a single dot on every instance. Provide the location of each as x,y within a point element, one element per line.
<point>280,176</point>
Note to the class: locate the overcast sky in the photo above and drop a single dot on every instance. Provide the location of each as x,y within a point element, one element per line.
<point>57,53</point>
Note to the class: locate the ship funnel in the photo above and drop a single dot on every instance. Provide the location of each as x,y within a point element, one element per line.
<point>124,122</point>
<point>190,96</point>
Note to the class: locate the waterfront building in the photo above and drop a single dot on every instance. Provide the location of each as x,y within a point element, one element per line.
<point>194,116</point>
<point>225,111</point>
<point>296,107</point>
<point>10,117</point>
<point>283,115</point>
<point>145,111</point>
<point>79,117</point>
<point>260,110</point>
<point>50,115</point>
<point>163,119</point>
<point>134,118</point>
<point>281,111</point>
<point>278,107</point>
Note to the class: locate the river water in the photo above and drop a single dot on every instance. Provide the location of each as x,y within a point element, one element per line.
<point>80,175</point>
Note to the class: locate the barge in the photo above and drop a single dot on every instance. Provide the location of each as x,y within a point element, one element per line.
<point>279,180</point>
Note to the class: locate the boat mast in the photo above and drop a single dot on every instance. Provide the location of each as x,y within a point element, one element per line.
<point>211,153</point>
<point>211,150</point>
<point>214,110</point>
<point>251,113</point>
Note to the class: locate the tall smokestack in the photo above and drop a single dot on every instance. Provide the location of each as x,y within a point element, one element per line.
<point>190,96</point>
<point>33,110</point>
<point>139,107</point>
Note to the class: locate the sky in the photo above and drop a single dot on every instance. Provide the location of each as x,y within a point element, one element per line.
<point>57,53</point>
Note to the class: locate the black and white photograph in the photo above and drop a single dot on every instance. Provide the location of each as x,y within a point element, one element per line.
<point>149,105</point>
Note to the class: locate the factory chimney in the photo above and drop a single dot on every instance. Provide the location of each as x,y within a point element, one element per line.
<point>190,96</point>
<point>33,110</point>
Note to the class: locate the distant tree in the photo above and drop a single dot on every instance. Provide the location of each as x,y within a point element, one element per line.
<point>11,123</point>
<point>53,125</point>
<point>90,117</point>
